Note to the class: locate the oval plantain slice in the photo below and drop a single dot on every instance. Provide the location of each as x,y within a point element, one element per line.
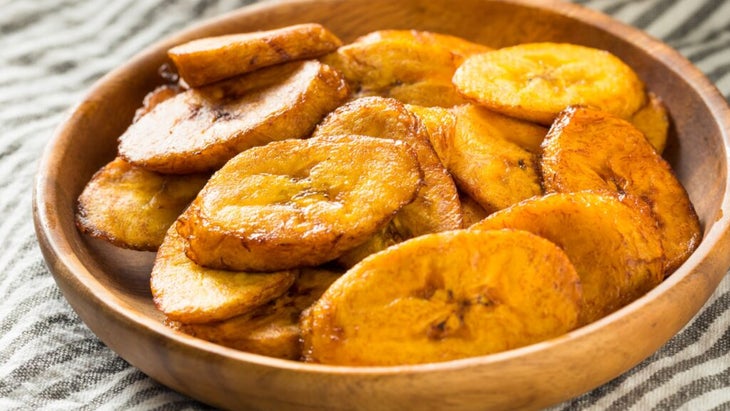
<point>441,122</point>
<point>526,135</point>
<point>207,60</point>
<point>485,164</point>
<point>436,207</point>
<point>444,296</point>
<point>535,81</point>
<point>407,64</point>
<point>421,39</point>
<point>273,328</point>
<point>589,149</point>
<point>615,248</point>
<point>203,128</point>
<point>653,121</point>
<point>298,203</point>
<point>189,293</point>
<point>131,207</point>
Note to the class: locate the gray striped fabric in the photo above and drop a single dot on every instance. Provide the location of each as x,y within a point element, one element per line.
<point>50,53</point>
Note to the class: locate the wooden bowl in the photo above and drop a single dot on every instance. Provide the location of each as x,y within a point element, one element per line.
<point>109,289</point>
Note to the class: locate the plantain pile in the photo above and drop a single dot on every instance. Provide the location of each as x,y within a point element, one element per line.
<point>410,197</point>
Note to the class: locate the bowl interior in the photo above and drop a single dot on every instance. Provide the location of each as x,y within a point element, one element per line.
<point>109,286</point>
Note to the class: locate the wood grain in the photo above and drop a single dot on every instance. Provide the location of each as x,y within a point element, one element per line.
<point>106,286</point>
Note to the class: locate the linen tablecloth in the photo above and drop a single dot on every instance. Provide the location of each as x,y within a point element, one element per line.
<point>51,51</point>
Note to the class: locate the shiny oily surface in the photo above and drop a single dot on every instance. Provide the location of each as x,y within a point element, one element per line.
<point>459,294</point>
<point>298,202</point>
<point>109,287</point>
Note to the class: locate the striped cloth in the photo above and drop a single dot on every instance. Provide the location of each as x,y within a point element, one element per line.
<point>50,53</point>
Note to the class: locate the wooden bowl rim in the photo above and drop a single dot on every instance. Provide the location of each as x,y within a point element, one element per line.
<point>67,267</point>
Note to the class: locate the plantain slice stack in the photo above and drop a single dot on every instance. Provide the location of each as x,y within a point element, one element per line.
<point>449,295</point>
<point>298,203</point>
<point>131,207</point>
<point>271,329</point>
<point>207,60</point>
<point>622,160</point>
<point>536,81</point>
<point>202,128</point>
<point>279,157</point>
<point>615,248</point>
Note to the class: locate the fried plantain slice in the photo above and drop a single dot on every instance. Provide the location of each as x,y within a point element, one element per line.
<point>440,123</point>
<point>589,149</point>
<point>436,207</point>
<point>535,81</point>
<point>485,164</point>
<point>444,296</point>
<point>297,203</point>
<point>528,136</point>
<point>413,66</point>
<point>273,328</point>
<point>458,46</point>
<point>207,60</point>
<point>205,127</point>
<point>653,121</point>
<point>131,207</point>
<point>189,293</point>
<point>615,248</point>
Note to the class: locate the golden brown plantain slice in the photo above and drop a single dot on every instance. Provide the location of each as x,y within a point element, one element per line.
<point>458,46</point>
<point>535,81</point>
<point>589,149</point>
<point>653,121</point>
<point>436,207</point>
<point>528,136</point>
<point>273,328</point>
<point>212,59</point>
<point>189,293</point>
<point>485,164</point>
<point>131,207</point>
<point>441,122</point>
<point>200,129</point>
<point>297,203</point>
<point>410,65</point>
<point>444,296</point>
<point>615,248</point>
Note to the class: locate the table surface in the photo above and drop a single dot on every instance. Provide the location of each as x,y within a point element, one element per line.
<point>51,51</point>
